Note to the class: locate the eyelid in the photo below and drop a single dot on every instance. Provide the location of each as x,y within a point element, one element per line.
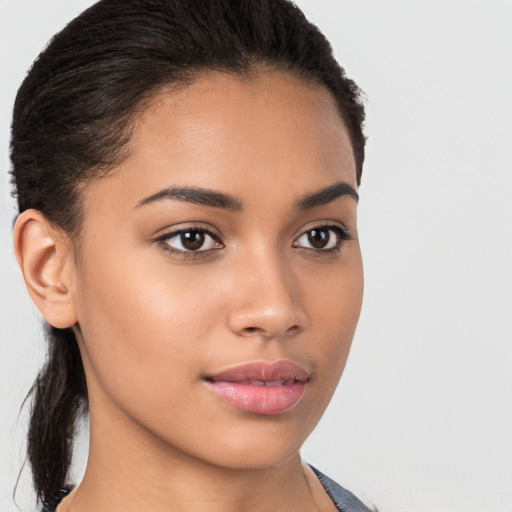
<point>325,224</point>
<point>183,227</point>
<point>179,229</point>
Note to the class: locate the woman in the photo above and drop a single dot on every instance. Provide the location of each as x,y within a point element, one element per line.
<point>187,176</point>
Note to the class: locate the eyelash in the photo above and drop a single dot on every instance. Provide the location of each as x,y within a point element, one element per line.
<point>164,241</point>
<point>342,234</point>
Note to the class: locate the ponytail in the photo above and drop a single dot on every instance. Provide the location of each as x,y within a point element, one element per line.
<point>59,399</point>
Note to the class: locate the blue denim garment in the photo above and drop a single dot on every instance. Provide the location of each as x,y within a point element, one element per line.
<point>344,500</point>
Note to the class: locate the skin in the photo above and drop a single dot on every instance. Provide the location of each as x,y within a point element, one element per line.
<point>152,323</point>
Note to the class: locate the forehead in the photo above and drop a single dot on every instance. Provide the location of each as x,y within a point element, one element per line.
<point>232,133</point>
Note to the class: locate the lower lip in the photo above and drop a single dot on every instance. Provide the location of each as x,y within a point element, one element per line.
<point>260,399</point>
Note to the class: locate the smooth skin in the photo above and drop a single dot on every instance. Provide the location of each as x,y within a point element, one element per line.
<point>162,291</point>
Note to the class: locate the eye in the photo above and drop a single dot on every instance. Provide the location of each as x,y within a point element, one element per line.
<point>190,240</point>
<point>322,238</point>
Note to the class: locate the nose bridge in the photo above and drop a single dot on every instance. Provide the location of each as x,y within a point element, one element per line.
<point>267,301</point>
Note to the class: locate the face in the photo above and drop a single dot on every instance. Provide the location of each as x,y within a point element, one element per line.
<point>220,280</point>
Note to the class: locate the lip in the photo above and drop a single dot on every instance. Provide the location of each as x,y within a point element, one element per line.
<point>261,387</point>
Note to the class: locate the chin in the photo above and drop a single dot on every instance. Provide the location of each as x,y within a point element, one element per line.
<point>253,456</point>
<point>261,443</point>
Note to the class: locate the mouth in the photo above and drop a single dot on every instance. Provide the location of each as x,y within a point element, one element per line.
<point>261,388</point>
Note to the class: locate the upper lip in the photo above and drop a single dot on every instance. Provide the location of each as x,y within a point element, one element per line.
<point>283,370</point>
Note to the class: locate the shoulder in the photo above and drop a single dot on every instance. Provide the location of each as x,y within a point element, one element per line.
<point>344,500</point>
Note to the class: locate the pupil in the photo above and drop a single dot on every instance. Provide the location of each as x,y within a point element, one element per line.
<point>318,238</point>
<point>192,240</point>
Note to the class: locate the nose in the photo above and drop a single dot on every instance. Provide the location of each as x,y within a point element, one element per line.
<point>267,299</point>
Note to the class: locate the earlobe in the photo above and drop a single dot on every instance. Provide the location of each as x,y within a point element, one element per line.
<point>46,261</point>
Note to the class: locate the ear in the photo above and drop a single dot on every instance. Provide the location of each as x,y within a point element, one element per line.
<point>45,257</point>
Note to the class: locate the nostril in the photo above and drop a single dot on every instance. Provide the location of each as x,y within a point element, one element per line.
<point>247,331</point>
<point>294,329</point>
<point>250,330</point>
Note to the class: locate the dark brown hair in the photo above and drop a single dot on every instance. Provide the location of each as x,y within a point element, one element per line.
<point>72,120</point>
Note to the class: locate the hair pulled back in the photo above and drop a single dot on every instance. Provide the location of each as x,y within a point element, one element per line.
<point>72,122</point>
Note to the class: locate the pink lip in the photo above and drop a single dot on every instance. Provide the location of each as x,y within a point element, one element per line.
<point>261,388</point>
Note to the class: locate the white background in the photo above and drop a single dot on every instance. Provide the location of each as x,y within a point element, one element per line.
<point>422,421</point>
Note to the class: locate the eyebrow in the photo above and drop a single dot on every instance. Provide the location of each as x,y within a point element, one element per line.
<point>212,198</point>
<point>196,195</point>
<point>327,195</point>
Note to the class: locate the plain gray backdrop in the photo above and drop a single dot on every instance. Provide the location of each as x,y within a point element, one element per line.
<point>422,420</point>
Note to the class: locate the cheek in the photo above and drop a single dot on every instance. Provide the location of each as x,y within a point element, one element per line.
<point>334,301</point>
<point>142,325</point>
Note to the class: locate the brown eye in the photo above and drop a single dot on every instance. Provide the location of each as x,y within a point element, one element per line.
<point>322,238</point>
<point>190,240</point>
<point>318,238</point>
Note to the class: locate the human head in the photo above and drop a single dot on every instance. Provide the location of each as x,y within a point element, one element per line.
<point>73,119</point>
